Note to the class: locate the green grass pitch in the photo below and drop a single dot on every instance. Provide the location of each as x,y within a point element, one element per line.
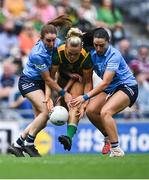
<point>75,166</point>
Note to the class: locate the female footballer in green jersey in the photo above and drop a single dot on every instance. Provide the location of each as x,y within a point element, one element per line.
<point>73,62</point>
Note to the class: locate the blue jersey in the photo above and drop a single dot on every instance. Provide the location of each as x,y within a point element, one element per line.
<point>40,60</point>
<point>112,60</point>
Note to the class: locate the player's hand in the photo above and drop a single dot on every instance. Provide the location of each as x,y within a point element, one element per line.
<point>75,76</point>
<point>68,99</point>
<point>49,103</point>
<point>77,101</point>
<point>80,112</point>
<point>57,100</point>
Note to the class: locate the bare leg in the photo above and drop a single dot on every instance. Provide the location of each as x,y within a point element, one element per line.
<point>41,112</point>
<point>29,134</point>
<point>76,90</point>
<point>26,131</point>
<point>93,111</point>
<point>116,103</point>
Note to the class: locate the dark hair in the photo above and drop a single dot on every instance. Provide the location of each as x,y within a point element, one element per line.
<point>101,33</point>
<point>143,46</point>
<point>48,28</point>
<point>95,33</point>
<point>51,26</point>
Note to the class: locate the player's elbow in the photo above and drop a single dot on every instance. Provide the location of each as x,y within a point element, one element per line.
<point>104,85</point>
<point>48,80</point>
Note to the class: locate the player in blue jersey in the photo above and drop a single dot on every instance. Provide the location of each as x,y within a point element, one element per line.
<point>117,90</point>
<point>32,86</point>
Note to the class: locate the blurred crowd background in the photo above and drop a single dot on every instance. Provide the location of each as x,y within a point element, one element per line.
<point>20,24</point>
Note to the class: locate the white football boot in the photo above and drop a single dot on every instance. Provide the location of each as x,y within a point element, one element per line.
<point>117,152</point>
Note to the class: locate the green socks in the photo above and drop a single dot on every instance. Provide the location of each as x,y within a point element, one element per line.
<point>71,130</point>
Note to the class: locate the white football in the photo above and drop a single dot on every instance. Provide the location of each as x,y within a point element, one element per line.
<point>59,116</point>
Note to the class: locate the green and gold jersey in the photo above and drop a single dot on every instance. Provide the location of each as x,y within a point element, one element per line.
<point>60,59</point>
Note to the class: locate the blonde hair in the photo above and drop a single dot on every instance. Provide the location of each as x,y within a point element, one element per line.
<point>74,37</point>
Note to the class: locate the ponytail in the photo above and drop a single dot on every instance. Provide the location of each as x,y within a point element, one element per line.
<point>95,33</point>
<point>51,26</point>
<point>62,20</point>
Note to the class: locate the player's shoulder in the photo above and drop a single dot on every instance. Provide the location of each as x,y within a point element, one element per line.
<point>84,52</point>
<point>114,50</point>
<point>61,47</point>
<point>37,57</point>
<point>38,49</point>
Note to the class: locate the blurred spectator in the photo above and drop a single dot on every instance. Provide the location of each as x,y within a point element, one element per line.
<point>14,8</point>
<point>20,104</point>
<point>141,63</point>
<point>2,15</point>
<point>125,49</point>
<point>143,97</point>
<point>42,12</point>
<point>60,9</point>
<point>64,7</point>
<point>88,12</point>
<point>147,27</point>
<point>17,59</point>
<point>29,4</point>
<point>108,16</point>
<point>118,33</point>
<point>27,38</point>
<point>18,65</point>
<point>8,80</point>
<point>8,39</point>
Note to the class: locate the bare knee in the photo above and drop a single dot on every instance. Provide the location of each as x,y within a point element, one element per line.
<point>105,113</point>
<point>90,110</point>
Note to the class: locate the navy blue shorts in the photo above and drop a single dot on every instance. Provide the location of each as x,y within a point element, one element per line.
<point>131,91</point>
<point>27,85</point>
